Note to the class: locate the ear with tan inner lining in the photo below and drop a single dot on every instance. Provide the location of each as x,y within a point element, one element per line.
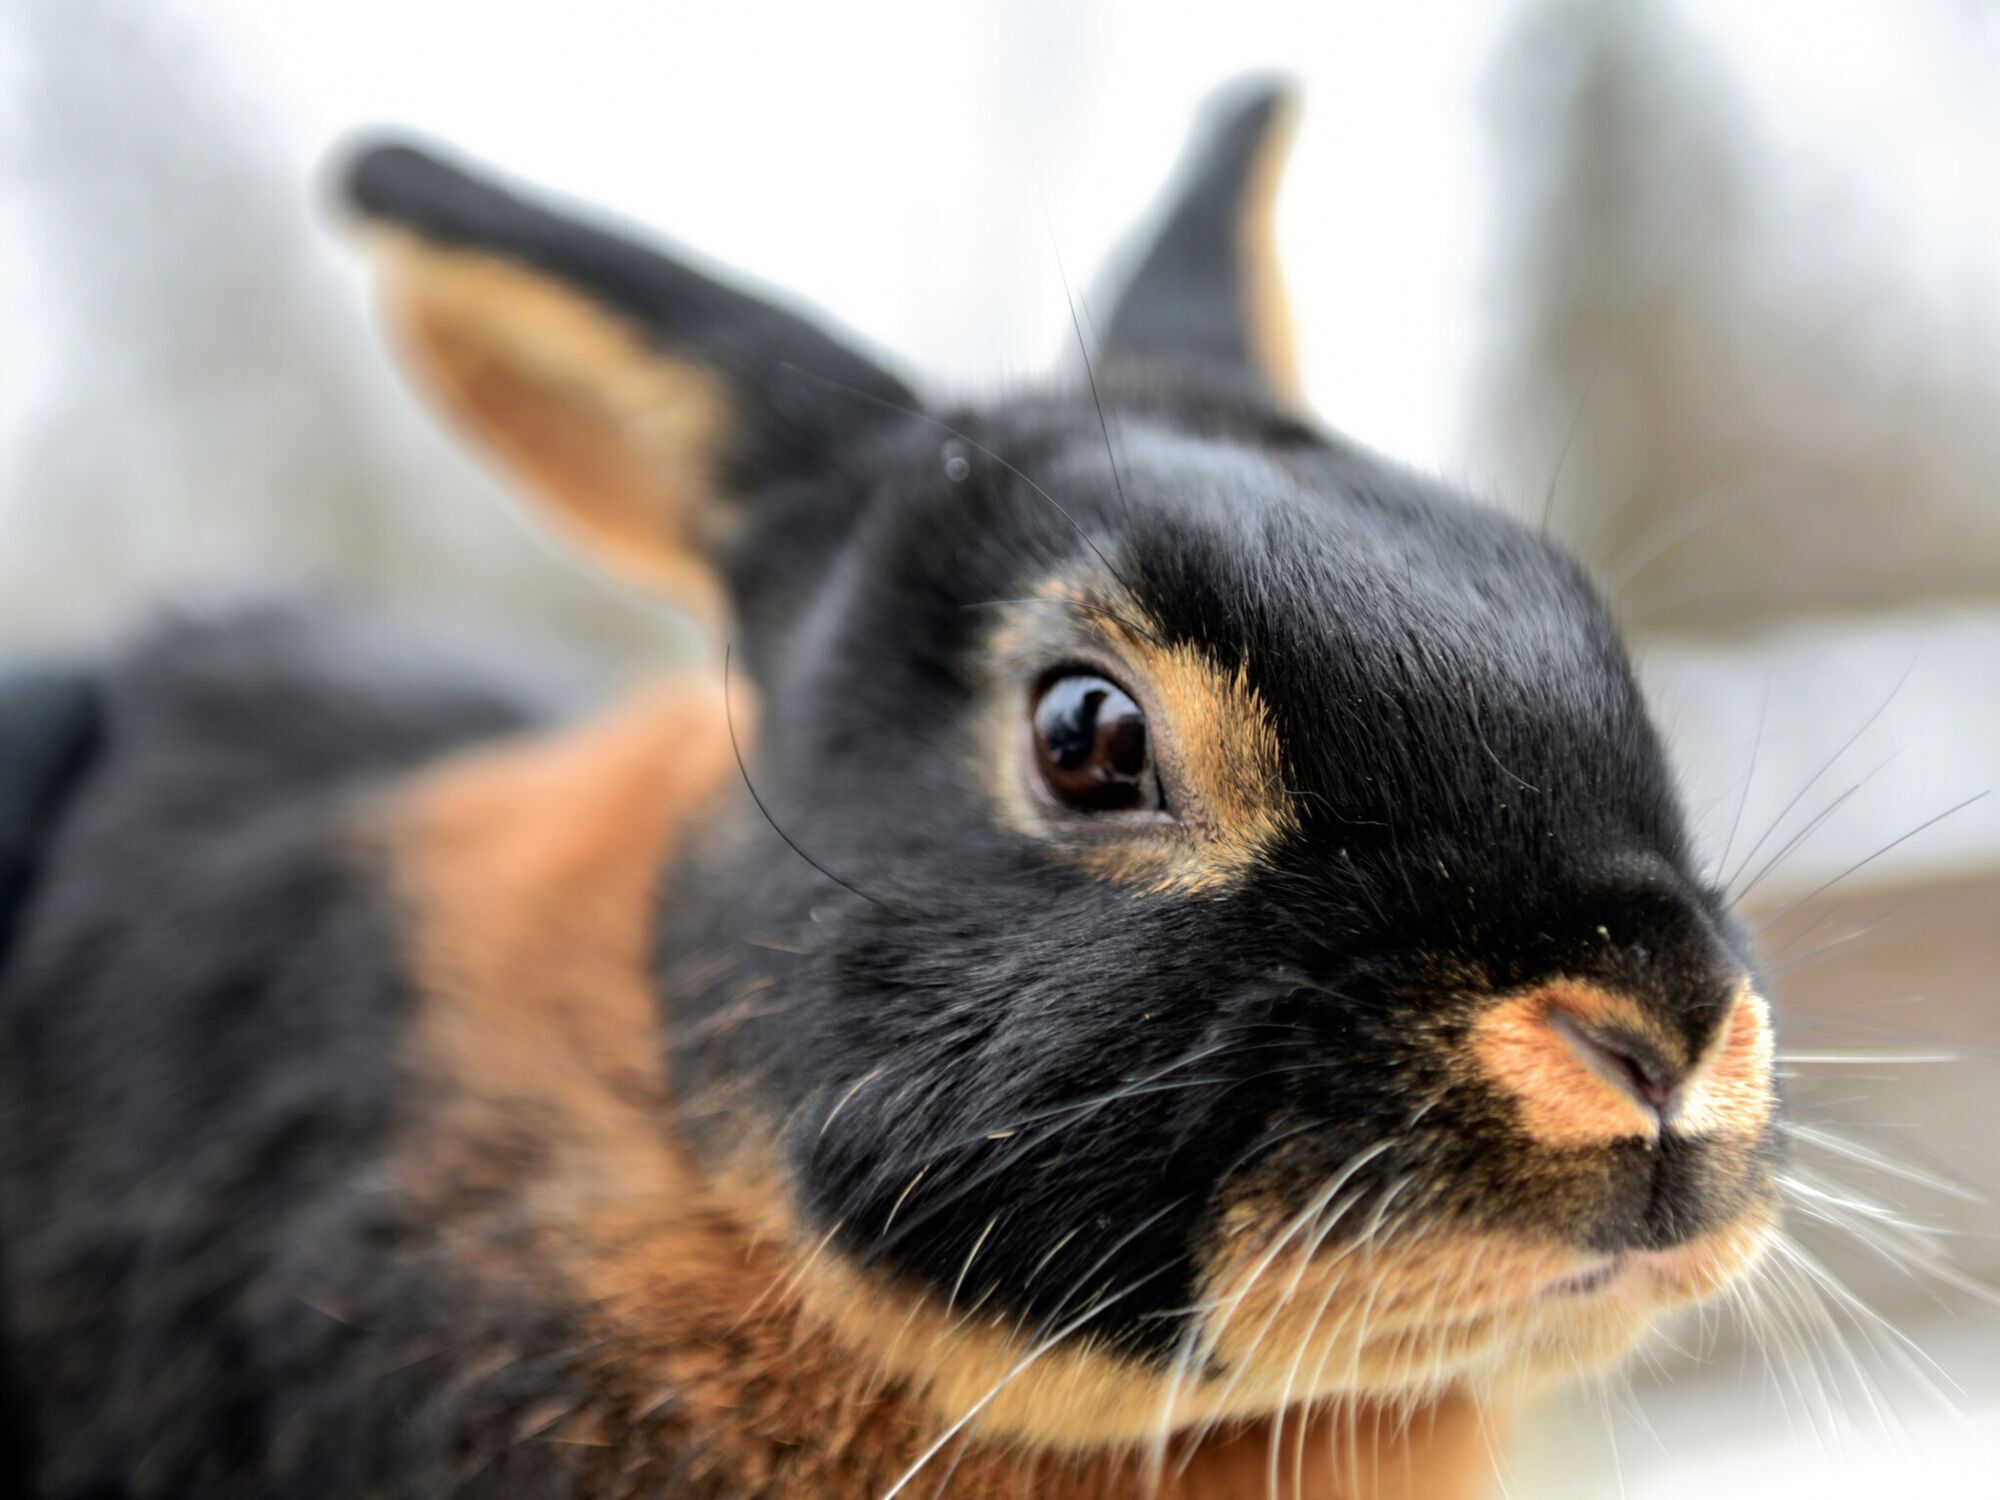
<point>1208,289</point>
<point>641,403</point>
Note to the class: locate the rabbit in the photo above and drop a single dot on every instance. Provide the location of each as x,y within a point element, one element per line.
<point>1164,959</point>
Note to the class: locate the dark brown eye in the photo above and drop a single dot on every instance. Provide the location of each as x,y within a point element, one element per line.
<point>1091,745</point>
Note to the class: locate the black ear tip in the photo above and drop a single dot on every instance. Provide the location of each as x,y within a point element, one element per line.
<point>1245,112</point>
<point>390,178</point>
<point>1264,93</point>
<point>376,177</point>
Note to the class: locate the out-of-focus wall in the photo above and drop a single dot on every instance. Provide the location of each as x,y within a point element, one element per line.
<point>1747,354</point>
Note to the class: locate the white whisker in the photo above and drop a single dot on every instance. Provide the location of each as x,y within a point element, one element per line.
<point>1863,1059</point>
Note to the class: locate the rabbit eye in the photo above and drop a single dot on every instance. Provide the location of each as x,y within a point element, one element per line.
<point>1091,745</point>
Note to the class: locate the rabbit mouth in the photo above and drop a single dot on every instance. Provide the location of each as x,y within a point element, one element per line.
<point>1593,1279</point>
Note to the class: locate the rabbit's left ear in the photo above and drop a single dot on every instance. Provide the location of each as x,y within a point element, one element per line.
<point>1207,290</point>
<point>641,402</point>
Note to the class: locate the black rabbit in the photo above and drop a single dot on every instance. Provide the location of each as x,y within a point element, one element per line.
<point>1168,960</point>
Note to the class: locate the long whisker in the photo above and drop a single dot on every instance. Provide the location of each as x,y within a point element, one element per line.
<point>1884,1334</point>
<point>729,717</point>
<point>1827,765</point>
<point>1812,826</point>
<point>1866,1156</point>
<point>1090,372</point>
<point>1163,1427</point>
<point>1569,439</point>
<point>972,1412</point>
<point>1066,1115</point>
<point>1066,1330</point>
<point>1930,822</point>
<point>1910,1247</point>
<point>1864,1059</point>
<point>1749,779</point>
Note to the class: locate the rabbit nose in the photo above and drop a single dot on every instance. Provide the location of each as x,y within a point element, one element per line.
<point>1626,1062</point>
<point>1585,1066</point>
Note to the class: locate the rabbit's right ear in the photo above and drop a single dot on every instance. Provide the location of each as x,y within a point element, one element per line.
<point>640,401</point>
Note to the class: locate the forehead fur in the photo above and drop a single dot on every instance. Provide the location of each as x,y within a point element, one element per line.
<point>1420,658</point>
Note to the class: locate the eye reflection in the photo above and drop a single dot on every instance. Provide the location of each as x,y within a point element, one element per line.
<point>1091,745</point>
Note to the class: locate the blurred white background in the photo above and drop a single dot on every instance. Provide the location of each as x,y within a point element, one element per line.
<point>1712,289</point>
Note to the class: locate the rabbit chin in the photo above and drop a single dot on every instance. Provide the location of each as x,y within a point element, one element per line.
<point>1489,1316</point>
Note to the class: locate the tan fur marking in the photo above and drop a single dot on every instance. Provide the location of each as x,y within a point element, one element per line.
<point>1412,1312</point>
<point>1563,1102</point>
<point>620,440</point>
<point>1212,735</point>
<point>1439,1451</point>
<point>529,870</point>
<point>1072,1398</point>
<point>1729,1093</point>
<point>1272,330</point>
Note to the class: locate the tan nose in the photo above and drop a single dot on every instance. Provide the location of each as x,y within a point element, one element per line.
<point>1586,1067</point>
<point>1625,1060</point>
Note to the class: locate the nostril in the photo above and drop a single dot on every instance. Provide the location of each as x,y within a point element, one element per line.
<point>1626,1061</point>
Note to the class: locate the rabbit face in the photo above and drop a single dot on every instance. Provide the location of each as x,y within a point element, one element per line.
<point>1255,922</point>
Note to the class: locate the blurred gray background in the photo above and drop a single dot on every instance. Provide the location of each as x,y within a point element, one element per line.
<point>1711,290</point>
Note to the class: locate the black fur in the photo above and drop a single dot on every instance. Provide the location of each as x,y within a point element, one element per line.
<point>50,725</point>
<point>195,1074</point>
<point>49,731</point>
<point>1185,301</point>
